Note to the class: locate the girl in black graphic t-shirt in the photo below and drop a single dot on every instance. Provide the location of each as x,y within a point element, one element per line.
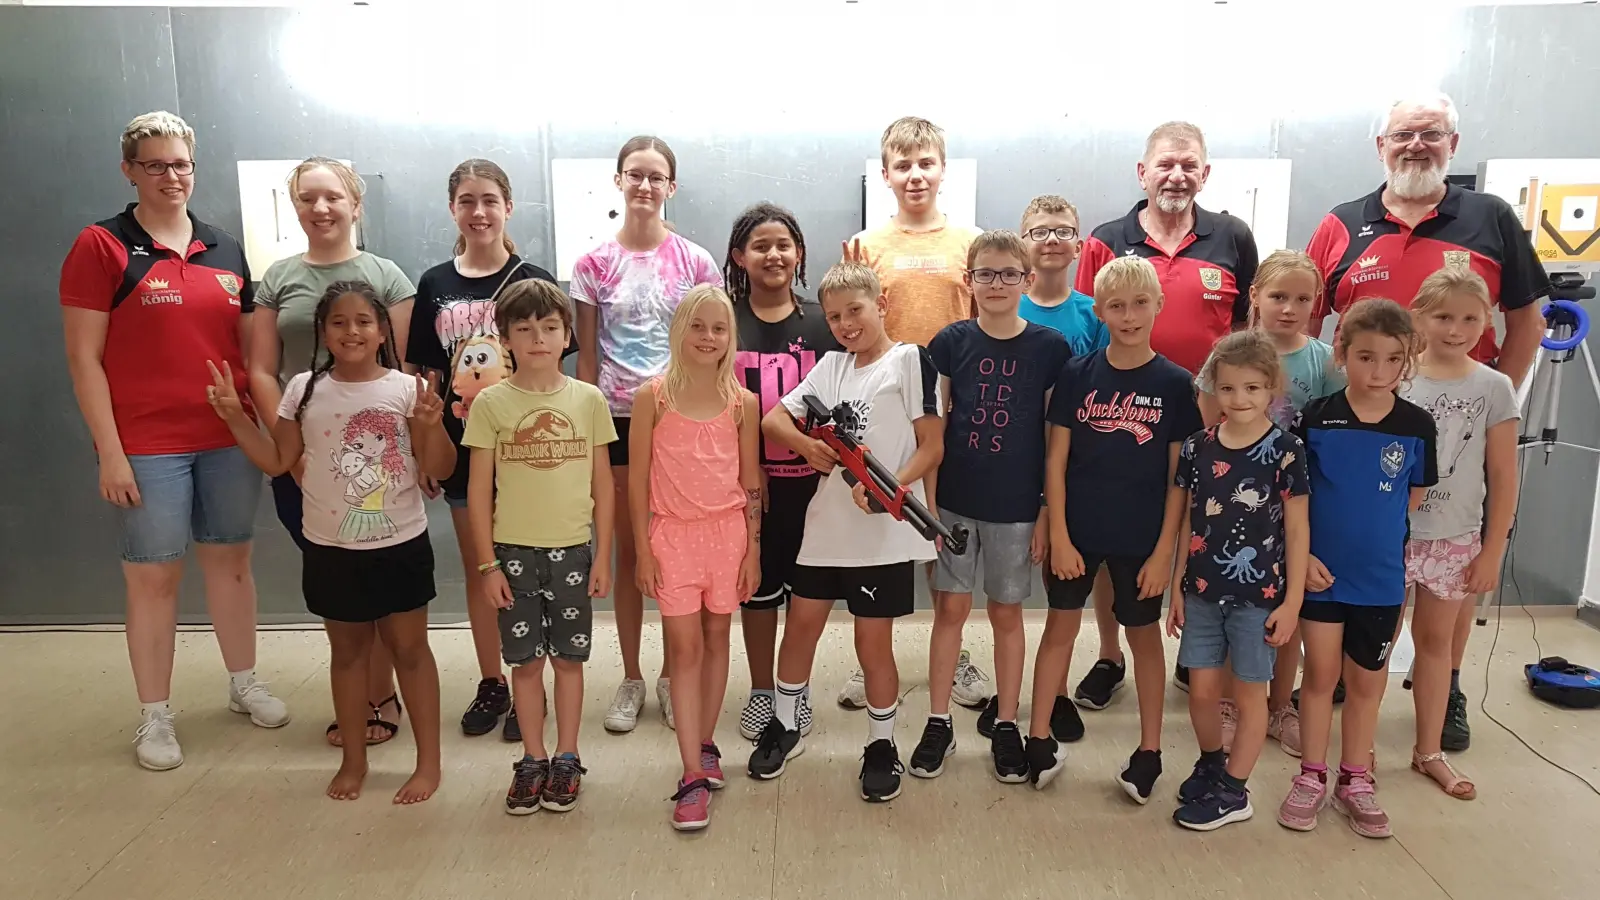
<point>781,337</point>
<point>453,333</point>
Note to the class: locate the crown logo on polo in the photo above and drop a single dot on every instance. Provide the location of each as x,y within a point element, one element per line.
<point>156,284</point>
<point>1367,262</point>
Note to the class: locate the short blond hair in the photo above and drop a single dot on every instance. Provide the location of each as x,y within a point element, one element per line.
<point>908,134</point>
<point>849,276</point>
<point>354,184</point>
<point>1003,240</point>
<point>1048,204</point>
<point>1130,274</point>
<point>1175,131</point>
<point>1448,282</point>
<point>158,124</point>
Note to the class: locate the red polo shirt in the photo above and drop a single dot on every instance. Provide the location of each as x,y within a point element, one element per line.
<point>170,313</point>
<point>1205,284</point>
<point>1363,251</point>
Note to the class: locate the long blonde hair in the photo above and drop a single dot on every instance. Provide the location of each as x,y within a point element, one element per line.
<point>1277,264</point>
<point>676,379</point>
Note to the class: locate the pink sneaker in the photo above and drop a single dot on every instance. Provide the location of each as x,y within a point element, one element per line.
<point>1284,727</point>
<point>693,811</point>
<point>1307,796</point>
<point>1358,801</point>
<point>1230,723</point>
<point>711,763</point>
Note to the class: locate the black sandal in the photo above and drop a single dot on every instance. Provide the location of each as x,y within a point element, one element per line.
<point>377,721</point>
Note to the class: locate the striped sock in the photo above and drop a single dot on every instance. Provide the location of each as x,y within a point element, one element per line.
<point>880,723</point>
<point>786,703</point>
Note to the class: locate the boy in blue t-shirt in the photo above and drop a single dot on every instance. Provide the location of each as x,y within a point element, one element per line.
<point>1050,227</point>
<point>1118,418</point>
<point>998,371</point>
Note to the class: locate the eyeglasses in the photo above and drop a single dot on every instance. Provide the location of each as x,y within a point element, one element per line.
<point>1063,233</point>
<point>1431,136</point>
<point>1006,276</point>
<point>160,167</point>
<point>657,180</point>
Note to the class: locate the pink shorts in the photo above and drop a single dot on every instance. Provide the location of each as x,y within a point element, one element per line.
<point>1440,565</point>
<point>699,562</point>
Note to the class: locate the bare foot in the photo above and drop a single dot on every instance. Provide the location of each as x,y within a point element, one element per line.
<point>346,783</point>
<point>420,787</point>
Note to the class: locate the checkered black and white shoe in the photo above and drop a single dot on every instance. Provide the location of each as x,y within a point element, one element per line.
<point>758,711</point>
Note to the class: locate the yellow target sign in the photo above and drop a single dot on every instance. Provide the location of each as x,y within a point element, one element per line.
<point>1568,229</point>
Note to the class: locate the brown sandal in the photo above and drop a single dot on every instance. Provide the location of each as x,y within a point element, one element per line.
<point>1453,783</point>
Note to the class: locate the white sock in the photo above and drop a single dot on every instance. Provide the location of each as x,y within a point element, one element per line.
<point>943,717</point>
<point>146,709</point>
<point>880,723</point>
<point>762,692</point>
<point>786,704</point>
<point>242,677</point>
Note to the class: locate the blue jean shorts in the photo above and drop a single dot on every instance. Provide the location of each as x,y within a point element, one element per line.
<point>210,496</point>
<point>1215,633</point>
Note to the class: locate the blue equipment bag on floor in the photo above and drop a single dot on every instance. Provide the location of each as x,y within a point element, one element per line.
<point>1554,680</point>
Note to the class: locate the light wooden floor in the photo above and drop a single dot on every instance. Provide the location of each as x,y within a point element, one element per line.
<point>245,817</point>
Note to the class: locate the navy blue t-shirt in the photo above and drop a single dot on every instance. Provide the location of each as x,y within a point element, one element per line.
<point>993,468</point>
<point>1236,500</point>
<point>1361,480</point>
<point>1124,423</point>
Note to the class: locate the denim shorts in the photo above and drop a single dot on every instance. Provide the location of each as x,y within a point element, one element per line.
<point>210,496</point>
<point>1215,633</point>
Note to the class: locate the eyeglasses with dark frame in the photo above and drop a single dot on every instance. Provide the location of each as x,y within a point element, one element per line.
<point>160,167</point>
<point>636,178</point>
<point>1431,136</point>
<point>1006,276</point>
<point>1062,233</point>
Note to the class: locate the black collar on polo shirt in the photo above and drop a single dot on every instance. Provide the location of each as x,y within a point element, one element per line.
<point>1134,233</point>
<point>202,232</point>
<point>1375,211</point>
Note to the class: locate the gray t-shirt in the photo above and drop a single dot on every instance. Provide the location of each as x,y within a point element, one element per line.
<point>1464,409</point>
<point>293,286</point>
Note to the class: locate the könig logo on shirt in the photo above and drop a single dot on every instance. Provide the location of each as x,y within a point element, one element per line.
<point>544,439</point>
<point>157,291</point>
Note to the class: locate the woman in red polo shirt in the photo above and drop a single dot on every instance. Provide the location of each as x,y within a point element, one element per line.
<point>147,297</point>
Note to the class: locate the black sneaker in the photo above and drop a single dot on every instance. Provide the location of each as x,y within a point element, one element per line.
<point>527,783</point>
<point>511,731</point>
<point>1010,763</point>
<point>1180,678</point>
<point>1205,777</point>
<point>938,742</point>
<point>1138,777</point>
<point>1046,758</point>
<point>775,746</point>
<point>1066,725</point>
<point>1457,734</point>
<point>1338,695</point>
<point>561,788</point>
<point>1097,687</point>
<point>492,702</point>
<point>991,710</point>
<point>880,772</point>
<point>1214,809</point>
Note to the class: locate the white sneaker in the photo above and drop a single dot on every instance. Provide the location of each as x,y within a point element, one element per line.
<point>156,742</point>
<point>664,697</point>
<point>624,712</point>
<point>254,698</point>
<point>854,693</point>
<point>971,686</point>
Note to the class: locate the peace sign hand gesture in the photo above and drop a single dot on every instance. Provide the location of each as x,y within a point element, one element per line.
<point>429,410</point>
<point>221,393</point>
<point>852,252</point>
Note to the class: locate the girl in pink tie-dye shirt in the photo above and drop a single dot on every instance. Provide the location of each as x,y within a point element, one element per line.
<point>625,292</point>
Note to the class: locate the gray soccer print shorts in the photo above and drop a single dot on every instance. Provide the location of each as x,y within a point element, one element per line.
<point>551,612</point>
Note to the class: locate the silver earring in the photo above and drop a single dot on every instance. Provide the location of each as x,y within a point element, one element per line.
<point>132,183</point>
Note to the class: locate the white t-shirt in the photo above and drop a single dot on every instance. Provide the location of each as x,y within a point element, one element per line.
<point>1464,410</point>
<point>360,484</point>
<point>887,396</point>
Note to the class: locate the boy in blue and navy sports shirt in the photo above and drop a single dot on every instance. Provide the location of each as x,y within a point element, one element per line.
<point>1370,460</point>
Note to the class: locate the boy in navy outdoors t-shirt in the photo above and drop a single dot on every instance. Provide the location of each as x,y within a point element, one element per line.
<point>997,371</point>
<point>1117,419</point>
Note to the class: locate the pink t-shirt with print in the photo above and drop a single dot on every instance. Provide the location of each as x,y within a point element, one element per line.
<point>360,483</point>
<point>635,295</point>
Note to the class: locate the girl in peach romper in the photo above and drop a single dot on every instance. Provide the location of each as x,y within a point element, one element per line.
<point>696,494</point>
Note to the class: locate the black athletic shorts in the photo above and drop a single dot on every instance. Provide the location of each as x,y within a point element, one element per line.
<point>1130,611</point>
<point>782,527</point>
<point>365,585</point>
<point>1368,630</point>
<point>870,592</point>
<point>618,449</point>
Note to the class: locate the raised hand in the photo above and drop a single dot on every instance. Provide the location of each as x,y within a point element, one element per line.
<point>429,410</point>
<point>852,252</point>
<point>221,394</point>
